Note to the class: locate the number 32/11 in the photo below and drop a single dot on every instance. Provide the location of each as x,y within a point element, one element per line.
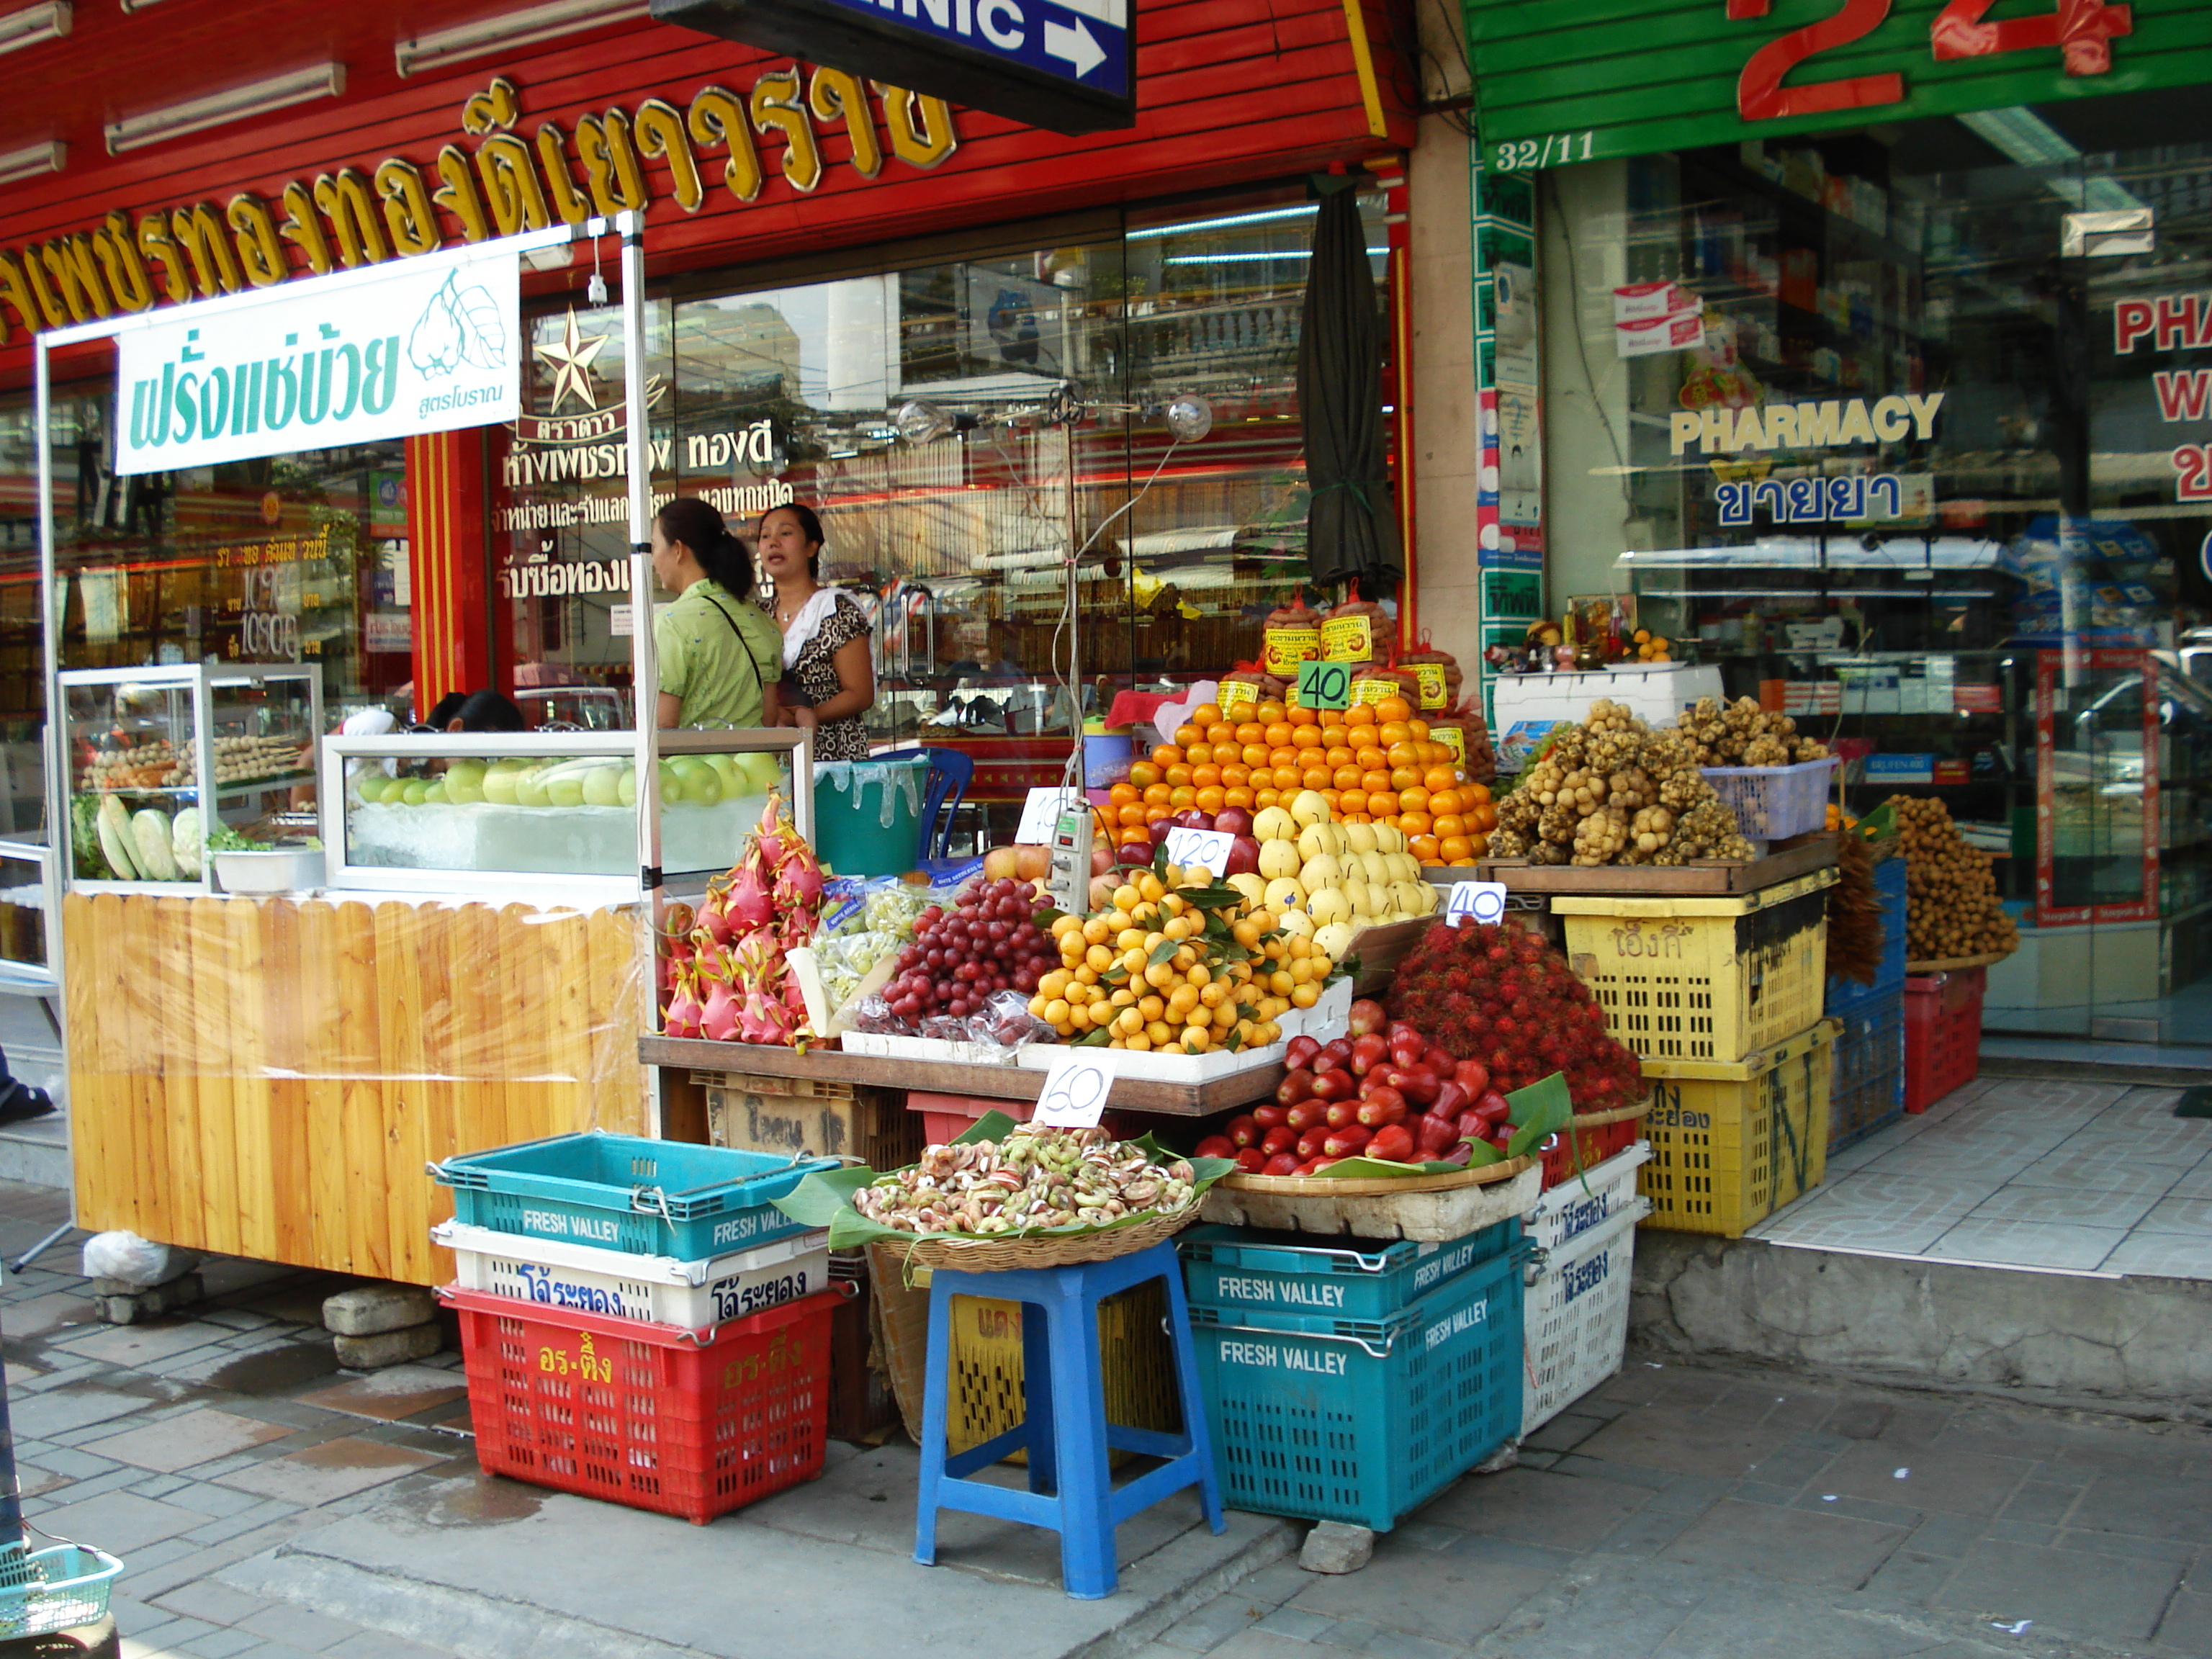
<point>2082,30</point>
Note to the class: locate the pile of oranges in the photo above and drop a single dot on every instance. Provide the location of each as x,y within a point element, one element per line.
<point>1373,762</point>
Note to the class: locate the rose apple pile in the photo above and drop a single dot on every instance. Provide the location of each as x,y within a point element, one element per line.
<point>1386,1092</point>
<point>1502,994</point>
<point>1373,763</point>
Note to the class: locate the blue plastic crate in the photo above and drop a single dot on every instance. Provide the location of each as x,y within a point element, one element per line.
<point>1844,995</point>
<point>1258,1277</point>
<point>1363,1422</point>
<point>1866,1090</point>
<point>624,1193</point>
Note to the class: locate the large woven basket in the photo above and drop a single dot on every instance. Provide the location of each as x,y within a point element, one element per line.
<point>1378,1187</point>
<point>1617,1114</point>
<point>1006,1253</point>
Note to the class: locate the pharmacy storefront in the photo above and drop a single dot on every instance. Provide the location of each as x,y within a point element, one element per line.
<point>1877,368</point>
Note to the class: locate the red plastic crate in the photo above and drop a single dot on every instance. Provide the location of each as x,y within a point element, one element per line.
<point>1597,1145</point>
<point>654,1417</point>
<point>1942,1034</point>
<point>946,1118</point>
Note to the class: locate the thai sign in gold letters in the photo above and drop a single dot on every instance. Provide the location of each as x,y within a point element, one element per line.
<point>503,183</point>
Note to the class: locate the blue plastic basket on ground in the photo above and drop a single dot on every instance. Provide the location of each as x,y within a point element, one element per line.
<point>1866,1090</point>
<point>58,1589</point>
<point>1844,995</point>
<point>1362,1421</point>
<point>624,1193</point>
<point>1257,1278</point>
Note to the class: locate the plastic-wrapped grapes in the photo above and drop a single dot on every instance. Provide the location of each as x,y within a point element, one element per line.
<point>892,907</point>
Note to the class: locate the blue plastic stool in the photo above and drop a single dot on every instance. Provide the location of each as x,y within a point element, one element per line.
<point>1064,1427</point>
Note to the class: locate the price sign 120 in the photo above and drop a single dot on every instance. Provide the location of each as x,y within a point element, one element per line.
<point>1200,849</point>
<point>1324,684</point>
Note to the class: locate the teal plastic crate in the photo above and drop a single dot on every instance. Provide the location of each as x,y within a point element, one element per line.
<point>624,1193</point>
<point>1258,1277</point>
<point>1363,1422</point>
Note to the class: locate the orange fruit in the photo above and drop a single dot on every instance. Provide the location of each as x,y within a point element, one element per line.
<point>1420,728</point>
<point>1414,824</point>
<point>1269,712</point>
<point>1186,735</point>
<point>1371,755</point>
<point>1144,773</point>
<point>1178,776</point>
<point>1303,716</point>
<point>1404,777</point>
<point>1347,777</point>
<point>1450,823</point>
<point>1395,732</point>
<point>1332,796</point>
<point>1456,847</point>
<point>1412,798</point>
<point>1167,755</point>
<point>1374,778</point>
<point>1251,732</point>
<point>1331,717</point>
<point>1210,799</point>
<point>1222,732</point>
<point>1278,734</point>
<point>1156,795</point>
<point>1352,800</point>
<point>1199,754</point>
<point>1266,797</point>
<point>1236,774</point>
<point>1424,847</point>
<point>1130,814</point>
<point>1481,793</point>
<point>1122,793</point>
<point>1462,864</point>
<point>1305,737</point>
<point>1481,846</point>
<point>1123,837</point>
<point>1286,777</point>
<point>1207,714</point>
<point>1440,777</point>
<point>1315,777</point>
<point>1404,754</point>
<point>1204,776</point>
<point>1447,800</point>
<point>1254,754</point>
<point>1182,796</point>
<point>1360,714</point>
<point>1383,803</point>
<point>1338,754</point>
<point>1485,817</point>
<point>1393,708</point>
<point>1236,795</point>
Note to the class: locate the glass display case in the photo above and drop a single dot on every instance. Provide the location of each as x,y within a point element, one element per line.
<point>161,762</point>
<point>548,815</point>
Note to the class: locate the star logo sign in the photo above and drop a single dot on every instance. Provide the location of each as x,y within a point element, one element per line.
<point>571,359</point>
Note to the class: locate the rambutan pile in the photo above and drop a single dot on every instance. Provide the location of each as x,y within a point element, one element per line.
<point>1502,995</point>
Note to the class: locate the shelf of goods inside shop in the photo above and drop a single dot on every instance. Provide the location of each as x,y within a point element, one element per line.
<point>692,1424</point>
<point>624,1193</point>
<point>1577,1319</point>
<point>1732,1141</point>
<point>1844,995</point>
<point>1363,1420</point>
<point>1867,1092</point>
<point>1250,1276</point>
<point>1942,1034</point>
<point>1703,979</point>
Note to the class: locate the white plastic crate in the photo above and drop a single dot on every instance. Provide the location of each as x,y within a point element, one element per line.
<point>1772,803</point>
<point>652,1289</point>
<point>1577,1321</point>
<point>1588,1199</point>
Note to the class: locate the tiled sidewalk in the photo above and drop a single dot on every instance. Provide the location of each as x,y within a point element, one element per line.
<point>2086,1177</point>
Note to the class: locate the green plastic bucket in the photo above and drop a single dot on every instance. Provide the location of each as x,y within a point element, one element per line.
<point>868,814</point>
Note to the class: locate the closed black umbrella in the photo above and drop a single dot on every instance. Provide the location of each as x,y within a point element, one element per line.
<point>1352,527</point>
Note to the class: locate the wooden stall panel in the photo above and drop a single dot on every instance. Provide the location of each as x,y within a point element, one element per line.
<point>268,1078</point>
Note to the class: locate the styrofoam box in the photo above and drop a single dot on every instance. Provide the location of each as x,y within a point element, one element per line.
<point>1327,1019</point>
<point>1575,1323</point>
<point>1588,1199</point>
<point>936,1049</point>
<point>1165,1068</point>
<point>1657,692</point>
<point>652,1289</point>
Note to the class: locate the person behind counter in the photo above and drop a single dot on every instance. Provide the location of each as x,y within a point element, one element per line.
<point>718,651</point>
<point>474,711</point>
<point>829,676</point>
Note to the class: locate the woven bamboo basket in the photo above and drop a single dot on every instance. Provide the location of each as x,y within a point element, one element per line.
<point>1378,1187</point>
<point>1006,1253</point>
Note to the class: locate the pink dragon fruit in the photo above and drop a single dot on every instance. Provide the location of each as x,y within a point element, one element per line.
<point>684,1011</point>
<point>719,1016</point>
<point>748,904</point>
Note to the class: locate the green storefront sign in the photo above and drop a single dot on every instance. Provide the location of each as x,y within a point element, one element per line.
<point>1563,80</point>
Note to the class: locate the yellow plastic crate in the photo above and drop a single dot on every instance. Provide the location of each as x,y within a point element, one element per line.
<point>1732,1142</point>
<point>1703,978</point>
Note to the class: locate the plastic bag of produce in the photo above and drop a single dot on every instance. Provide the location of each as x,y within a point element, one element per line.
<point>127,1257</point>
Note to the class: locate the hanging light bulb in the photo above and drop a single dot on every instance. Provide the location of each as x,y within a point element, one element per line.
<point>919,422</point>
<point>1190,418</point>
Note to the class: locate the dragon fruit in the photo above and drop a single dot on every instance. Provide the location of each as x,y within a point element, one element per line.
<point>682,1016</point>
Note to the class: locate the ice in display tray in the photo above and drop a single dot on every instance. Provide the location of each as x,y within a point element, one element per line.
<point>655,1289</point>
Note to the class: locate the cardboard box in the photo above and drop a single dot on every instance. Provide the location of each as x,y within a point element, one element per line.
<point>827,1120</point>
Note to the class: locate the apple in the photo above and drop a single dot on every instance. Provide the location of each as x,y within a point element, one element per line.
<point>1233,821</point>
<point>1243,857</point>
<point>1138,852</point>
<point>1191,818</point>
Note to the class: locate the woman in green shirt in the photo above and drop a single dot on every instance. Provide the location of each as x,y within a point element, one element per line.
<point>718,653</point>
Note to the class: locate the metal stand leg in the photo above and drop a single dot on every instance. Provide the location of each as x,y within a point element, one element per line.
<point>39,1249</point>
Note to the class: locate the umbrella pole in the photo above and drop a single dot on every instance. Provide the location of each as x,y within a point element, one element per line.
<point>11,1492</point>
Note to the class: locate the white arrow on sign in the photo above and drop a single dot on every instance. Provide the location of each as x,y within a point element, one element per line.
<point>1072,41</point>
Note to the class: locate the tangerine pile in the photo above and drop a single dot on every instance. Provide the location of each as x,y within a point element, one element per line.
<point>1373,762</point>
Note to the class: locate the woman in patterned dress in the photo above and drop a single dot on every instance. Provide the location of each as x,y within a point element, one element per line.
<point>829,674</point>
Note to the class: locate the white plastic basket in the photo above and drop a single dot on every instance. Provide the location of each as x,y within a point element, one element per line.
<point>651,1289</point>
<point>1588,1199</point>
<point>1773,802</point>
<point>1576,1320</point>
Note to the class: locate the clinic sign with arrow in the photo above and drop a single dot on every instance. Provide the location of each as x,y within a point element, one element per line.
<point>1068,66</point>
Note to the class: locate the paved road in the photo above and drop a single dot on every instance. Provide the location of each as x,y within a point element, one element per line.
<point>268,1505</point>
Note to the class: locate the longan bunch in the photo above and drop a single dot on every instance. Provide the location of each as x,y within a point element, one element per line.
<point>1952,908</point>
<point>1741,733</point>
<point>1612,791</point>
